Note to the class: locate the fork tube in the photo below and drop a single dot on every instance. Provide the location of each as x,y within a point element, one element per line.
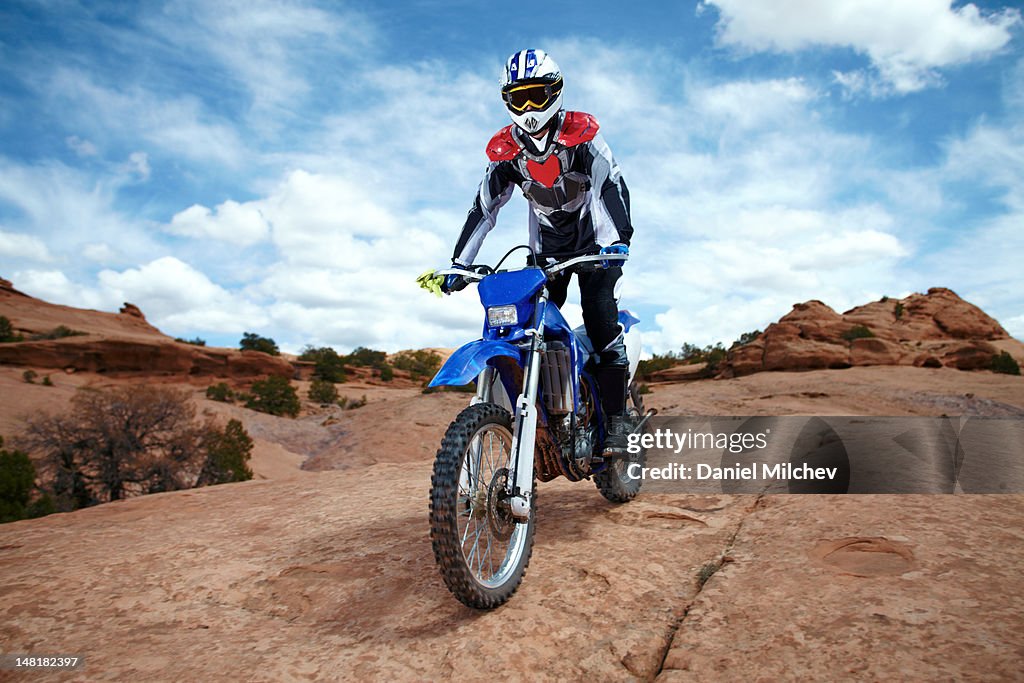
<point>484,388</point>
<point>525,435</point>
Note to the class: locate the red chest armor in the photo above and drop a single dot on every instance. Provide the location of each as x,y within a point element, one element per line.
<point>547,184</point>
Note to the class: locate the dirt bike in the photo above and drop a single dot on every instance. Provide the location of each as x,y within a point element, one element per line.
<point>482,497</point>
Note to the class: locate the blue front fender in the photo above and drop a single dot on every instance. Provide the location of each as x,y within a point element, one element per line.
<point>464,365</point>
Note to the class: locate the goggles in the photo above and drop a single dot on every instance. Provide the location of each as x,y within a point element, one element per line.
<point>533,96</point>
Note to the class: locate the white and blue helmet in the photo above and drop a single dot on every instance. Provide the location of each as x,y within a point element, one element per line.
<point>531,87</point>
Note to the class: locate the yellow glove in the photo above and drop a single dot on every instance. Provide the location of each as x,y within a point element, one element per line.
<point>431,282</point>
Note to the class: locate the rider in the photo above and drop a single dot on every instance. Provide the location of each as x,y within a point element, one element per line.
<point>579,203</point>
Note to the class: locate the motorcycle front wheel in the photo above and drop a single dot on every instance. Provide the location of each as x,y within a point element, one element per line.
<point>481,550</point>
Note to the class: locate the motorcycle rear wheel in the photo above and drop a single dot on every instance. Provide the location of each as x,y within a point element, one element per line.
<point>481,551</point>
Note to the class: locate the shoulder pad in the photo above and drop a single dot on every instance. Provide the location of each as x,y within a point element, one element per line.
<point>503,147</point>
<point>577,128</point>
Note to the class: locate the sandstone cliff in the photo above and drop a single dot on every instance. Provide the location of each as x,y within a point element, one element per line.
<point>121,343</point>
<point>937,329</point>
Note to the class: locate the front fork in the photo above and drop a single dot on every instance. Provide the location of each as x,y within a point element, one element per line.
<point>525,429</point>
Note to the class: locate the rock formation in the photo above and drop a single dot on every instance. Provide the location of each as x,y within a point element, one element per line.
<point>117,343</point>
<point>931,330</point>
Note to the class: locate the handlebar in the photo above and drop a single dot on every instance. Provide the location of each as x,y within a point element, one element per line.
<point>550,271</point>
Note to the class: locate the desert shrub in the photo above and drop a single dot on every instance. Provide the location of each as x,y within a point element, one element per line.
<point>220,392</point>
<point>274,395</point>
<point>59,332</point>
<point>367,358</point>
<point>194,342</point>
<point>419,364</point>
<point>117,442</point>
<point>17,480</point>
<point>898,311</point>
<point>858,332</point>
<point>713,356</point>
<point>387,373</point>
<point>228,452</point>
<point>47,382</point>
<point>351,404</point>
<point>254,342</point>
<point>7,331</point>
<point>329,366</point>
<point>644,389</point>
<point>323,392</point>
<point>1005,364</point>
<point>655,363</point>
<point>746,338</point>
<point>30,376</point>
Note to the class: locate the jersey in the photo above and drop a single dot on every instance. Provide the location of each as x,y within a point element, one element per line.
<point>578,199</point>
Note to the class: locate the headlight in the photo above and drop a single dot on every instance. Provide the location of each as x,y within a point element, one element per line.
<point>502,316</point>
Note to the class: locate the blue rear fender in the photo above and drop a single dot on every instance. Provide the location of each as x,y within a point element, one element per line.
<point>463,366</point>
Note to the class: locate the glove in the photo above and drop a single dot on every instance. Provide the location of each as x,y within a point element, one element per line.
<point>617,248</point>
<point>431,282</point>
<point>453,283</point>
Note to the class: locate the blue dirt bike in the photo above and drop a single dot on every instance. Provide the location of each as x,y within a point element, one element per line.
<point>482,502</point>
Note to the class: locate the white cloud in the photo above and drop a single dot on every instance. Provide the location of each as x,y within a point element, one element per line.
<point>180,125</point>
<point>56,287</point>
<point>231,222</point>
<point>272,49</point>
<point>138,163</point>
<point>907,41</point>
<point>750,104</point>
<point>179,298</point>
<point>20,246</point>
<point>82,148</point>
<point>67,209</point>
<point>100,253</point>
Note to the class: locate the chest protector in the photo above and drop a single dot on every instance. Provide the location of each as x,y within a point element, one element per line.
<point>548,181</point>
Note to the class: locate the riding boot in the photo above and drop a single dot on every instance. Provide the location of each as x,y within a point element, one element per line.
<point>611,382</point>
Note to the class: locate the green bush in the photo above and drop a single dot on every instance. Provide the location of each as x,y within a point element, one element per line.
<point>59,332</point>
<point>194,342</point>
<point>253,342</point>
<point>1005,364</point>
<point>227,455</point>
<point>746,338</point>
<point>419,364</point>
<point>7,331</point>
<point>367,358</point>
<point>323,392</point>
<point>657,362</point>
<point>898,311</point>
<point>274,395</point>
<point>17,479</point>
<point>30,376</point>
<point>857,332</point>
<point>220,392</point>
<point>329,366</point>
<point>387,373</point>
<point>47,382</point>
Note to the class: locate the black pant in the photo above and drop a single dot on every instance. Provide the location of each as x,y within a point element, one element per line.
<point>600,311</point>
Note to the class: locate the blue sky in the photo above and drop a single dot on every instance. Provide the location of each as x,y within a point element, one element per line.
<point>289,168</point>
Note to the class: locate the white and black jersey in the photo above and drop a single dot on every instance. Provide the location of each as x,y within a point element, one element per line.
<point>577,196</point>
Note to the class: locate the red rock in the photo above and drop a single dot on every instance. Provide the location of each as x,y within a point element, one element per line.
<point>874,351</point>
<point>953,333</point>
<point>132,310</point>
<point>118,343</point>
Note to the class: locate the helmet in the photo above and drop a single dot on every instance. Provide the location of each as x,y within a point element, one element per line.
<point>531,87</point>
